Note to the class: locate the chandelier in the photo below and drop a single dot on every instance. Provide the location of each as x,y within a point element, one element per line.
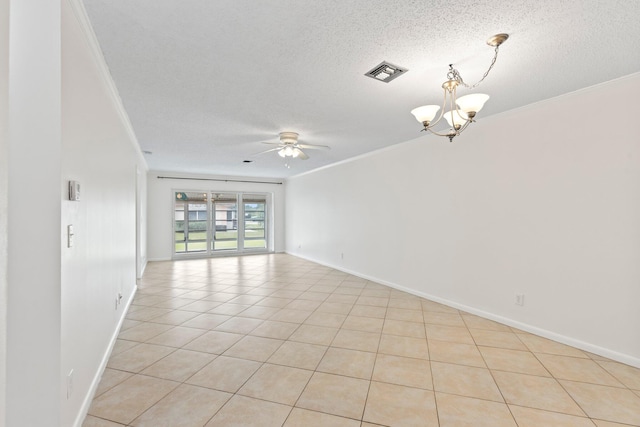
<point>461,111</point>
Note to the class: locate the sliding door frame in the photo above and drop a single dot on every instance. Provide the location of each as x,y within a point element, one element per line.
<point>211,225</point>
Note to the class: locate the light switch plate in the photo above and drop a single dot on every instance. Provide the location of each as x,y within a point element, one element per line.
<point>70,235</point>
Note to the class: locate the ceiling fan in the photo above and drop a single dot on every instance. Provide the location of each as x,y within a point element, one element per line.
<point>289,147</point>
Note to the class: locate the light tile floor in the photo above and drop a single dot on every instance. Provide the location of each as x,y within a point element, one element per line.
<point>274,340</point>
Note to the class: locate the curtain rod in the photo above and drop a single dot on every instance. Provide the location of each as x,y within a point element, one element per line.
<point>221,180</point>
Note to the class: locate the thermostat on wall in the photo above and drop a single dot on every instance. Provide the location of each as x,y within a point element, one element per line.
<point>74,190</point>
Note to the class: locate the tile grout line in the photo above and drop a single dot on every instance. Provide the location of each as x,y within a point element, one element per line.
<point>513,417</point>
<point>295,282</point>
<point>366,399</point>
<point>433,383</point>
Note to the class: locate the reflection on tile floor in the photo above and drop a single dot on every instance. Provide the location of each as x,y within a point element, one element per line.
<point>274,340</point>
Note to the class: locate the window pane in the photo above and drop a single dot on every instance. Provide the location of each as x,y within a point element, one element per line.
<point>225,221</point>
<point>225,240</point>
<point>179,226</point>
<point>254,221</point>
<point>190,222</point>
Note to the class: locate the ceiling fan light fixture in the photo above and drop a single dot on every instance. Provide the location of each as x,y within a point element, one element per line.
<point>290,148</point>
<point>289,151</point>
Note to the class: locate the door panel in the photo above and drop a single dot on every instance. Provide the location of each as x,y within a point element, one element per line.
<point>225,221</point>
<point>254,209</point>
<point>190,222</point>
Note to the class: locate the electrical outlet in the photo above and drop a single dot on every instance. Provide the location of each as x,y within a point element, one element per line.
<point>519,299</point>
<point>69,384</point>
<point>341,255</point>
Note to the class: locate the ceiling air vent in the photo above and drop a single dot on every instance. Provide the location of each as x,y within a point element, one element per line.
<point>385,72</point>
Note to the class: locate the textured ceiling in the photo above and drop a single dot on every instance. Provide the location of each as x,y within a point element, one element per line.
<point>204,82</point>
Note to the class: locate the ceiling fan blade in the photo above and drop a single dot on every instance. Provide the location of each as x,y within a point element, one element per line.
<point>267,151</point>
<point>301,154</point>
<point>314,146</point>
<point>272,142</point>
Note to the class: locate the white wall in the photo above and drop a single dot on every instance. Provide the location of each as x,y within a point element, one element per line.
<point>33,215</point>
<point>65,121</point>
<point>4,199</point>
<point>160,206</point>
<point>543,200</point>
<point>141,225</point>
<point>100,152</point>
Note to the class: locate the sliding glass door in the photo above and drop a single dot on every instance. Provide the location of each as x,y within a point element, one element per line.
<point>190,229</point>
<point>255,215</point>
<point>225,222</point>
<point>214,222</point>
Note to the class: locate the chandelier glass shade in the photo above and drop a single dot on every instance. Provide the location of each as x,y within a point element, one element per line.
<point>461,111</point>
<point>456,118</point>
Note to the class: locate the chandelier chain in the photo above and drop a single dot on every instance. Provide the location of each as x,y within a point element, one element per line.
<point>454,74</point>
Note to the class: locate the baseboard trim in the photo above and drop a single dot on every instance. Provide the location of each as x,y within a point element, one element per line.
<point>143,268</point>
<point>86,404</point>
<point>563,339</point>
